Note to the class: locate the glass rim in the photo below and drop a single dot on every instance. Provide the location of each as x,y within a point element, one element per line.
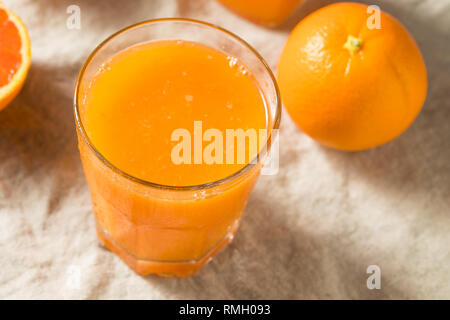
<point>207,185</point>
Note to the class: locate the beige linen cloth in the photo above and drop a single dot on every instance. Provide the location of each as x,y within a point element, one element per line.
<point>308,232</point>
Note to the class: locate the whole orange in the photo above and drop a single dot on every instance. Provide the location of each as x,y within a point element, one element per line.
<point>266,12</point>
<point>352,79</point>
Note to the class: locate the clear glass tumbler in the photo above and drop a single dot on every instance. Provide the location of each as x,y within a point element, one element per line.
<point>163,229</point>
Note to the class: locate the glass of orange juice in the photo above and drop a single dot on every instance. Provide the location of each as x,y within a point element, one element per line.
<point>159,107</point>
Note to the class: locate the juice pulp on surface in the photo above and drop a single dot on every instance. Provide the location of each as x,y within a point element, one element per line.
<point>144,93</point>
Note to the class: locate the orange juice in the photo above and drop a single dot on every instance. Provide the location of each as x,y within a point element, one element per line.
<point>158,215</point>
<point>146,92</point>
<point>267,12</point>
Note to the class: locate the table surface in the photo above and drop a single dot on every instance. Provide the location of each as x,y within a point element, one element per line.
<point>308,232</point>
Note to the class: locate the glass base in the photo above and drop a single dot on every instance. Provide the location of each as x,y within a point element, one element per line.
<point>163,268</point>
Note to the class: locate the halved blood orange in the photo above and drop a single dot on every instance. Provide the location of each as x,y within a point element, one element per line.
<point>15,55</point>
